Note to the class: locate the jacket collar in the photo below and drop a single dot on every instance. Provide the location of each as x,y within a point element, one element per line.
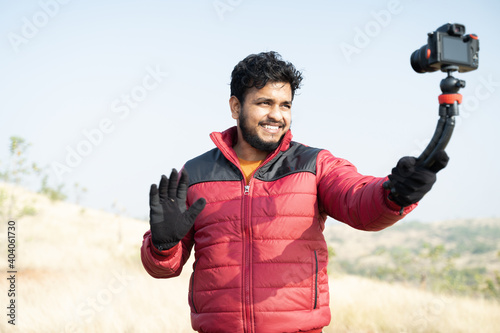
<point>225,141</point>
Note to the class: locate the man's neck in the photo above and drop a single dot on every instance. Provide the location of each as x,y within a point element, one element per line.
<point>248,153</point>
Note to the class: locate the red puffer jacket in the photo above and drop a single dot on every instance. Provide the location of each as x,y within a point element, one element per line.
<point>260,255</point>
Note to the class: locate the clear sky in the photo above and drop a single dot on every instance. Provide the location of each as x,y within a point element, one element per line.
<point>112,94</point>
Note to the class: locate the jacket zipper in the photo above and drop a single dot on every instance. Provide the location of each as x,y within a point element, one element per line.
<point>316,280</point>
<point>246,225</point>
<point>247,241</point>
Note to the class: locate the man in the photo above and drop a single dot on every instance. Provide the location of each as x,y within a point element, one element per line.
<point>254,209</point>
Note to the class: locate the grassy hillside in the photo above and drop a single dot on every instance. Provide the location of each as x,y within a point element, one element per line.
<point>79,271</point>
<point>461,256</point>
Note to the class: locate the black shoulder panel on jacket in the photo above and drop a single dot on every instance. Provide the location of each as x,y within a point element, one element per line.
<point>211,166</point>
<point>298,158</point>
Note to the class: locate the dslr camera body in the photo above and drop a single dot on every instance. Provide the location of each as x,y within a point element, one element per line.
<point>447,46</point>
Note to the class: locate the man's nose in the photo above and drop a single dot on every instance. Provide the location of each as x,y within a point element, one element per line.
<point>275,113</point>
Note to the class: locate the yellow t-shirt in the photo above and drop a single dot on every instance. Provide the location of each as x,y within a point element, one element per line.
<point>249,167</point>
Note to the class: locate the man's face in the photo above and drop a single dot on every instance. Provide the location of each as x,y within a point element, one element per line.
<point>265,115</point>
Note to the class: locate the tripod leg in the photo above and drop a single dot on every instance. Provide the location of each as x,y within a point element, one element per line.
<point>434,141</point>
<point>442,143</point>
<point>430,147</point>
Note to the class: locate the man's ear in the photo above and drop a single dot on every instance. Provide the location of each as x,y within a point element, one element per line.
<point>235,105</point>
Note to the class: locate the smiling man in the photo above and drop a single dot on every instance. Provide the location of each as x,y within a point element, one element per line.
<point>263,120</point>
<point>255,207</point>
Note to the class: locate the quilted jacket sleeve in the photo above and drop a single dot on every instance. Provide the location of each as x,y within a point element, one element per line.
<point>168,263</point>
<point>352,198</point>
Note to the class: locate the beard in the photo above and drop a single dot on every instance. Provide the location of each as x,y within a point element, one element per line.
<point>251,137</point>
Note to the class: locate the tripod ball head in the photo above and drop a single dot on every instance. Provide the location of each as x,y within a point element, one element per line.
<point>451,85</point>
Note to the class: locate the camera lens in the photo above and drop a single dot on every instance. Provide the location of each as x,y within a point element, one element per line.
<point>420,62</point>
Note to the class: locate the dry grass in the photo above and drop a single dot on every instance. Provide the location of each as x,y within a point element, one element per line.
<point>79,271</point>
<point>363,305</point>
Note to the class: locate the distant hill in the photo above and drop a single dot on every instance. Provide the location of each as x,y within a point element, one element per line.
<point>463,254</point>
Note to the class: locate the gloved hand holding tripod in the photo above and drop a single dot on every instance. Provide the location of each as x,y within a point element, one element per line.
<point>411,180</point>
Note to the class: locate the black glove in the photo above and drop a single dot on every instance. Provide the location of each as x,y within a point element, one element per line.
<point>410,182</point>
<point>168,217</point>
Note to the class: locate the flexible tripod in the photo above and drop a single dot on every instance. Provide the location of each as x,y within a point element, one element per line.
<point>449,101</point>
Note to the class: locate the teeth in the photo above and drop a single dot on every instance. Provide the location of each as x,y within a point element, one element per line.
<point>271,127</point>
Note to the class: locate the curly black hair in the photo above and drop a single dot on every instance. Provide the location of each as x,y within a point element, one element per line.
<point>256,70</point>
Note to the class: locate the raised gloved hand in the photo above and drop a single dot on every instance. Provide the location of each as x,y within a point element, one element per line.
<point>409,182</point>
<point>168,218</point>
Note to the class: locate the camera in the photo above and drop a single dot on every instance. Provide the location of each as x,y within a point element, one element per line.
<point>447,46</point>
